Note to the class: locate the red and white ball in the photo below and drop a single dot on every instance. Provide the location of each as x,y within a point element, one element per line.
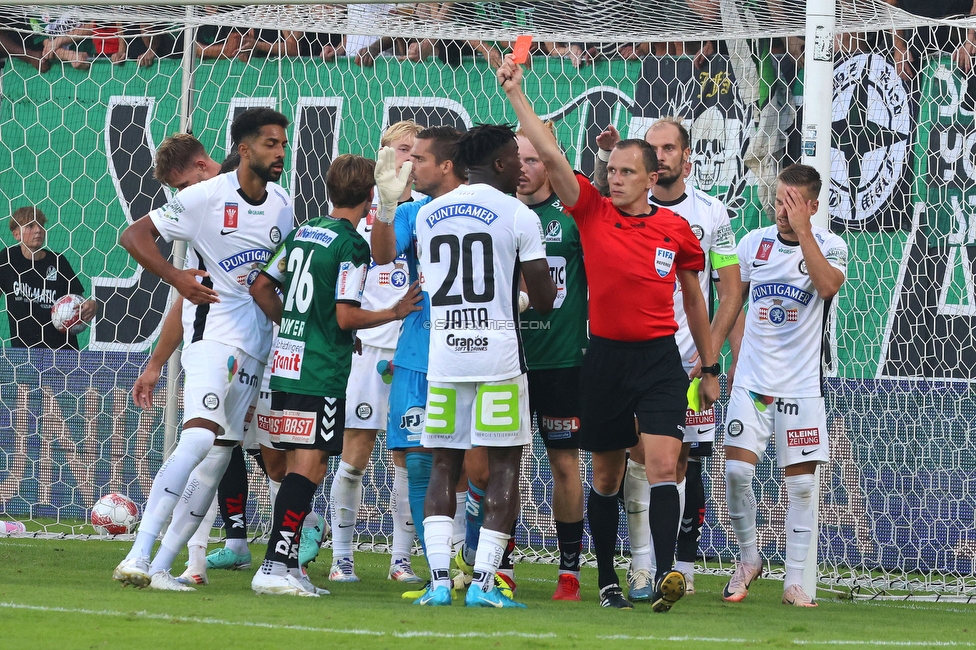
<point>66,314</point>
<point>114,514</point>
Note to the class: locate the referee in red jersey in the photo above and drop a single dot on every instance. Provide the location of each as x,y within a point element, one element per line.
<point>633,254</point>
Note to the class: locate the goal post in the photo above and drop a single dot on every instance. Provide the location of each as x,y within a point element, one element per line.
<point>897,500</point>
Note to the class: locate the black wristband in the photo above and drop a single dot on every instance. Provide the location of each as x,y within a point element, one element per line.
<point>714,369</point>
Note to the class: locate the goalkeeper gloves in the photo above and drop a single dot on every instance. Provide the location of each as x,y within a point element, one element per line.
<point>389,184</point>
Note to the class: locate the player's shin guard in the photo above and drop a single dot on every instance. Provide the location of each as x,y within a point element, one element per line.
<point>742,508</point>
<point>438,530</point>
<point>232,496</point>
<point>569,537</point>
<point>799,526</point>
<point>491,549</point>
<point>637,495</point>
<point>168,485</point>
<point>664,514</point>
<point>474,515</point>
<point>693,515</point>
<point>418,478</point>
<point>603,516</point>
<point>291,507</point>
<point>346,497</point>
<point>403,528</point>
<point>192,507</point>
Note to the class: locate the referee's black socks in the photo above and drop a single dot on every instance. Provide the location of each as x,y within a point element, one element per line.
<point>603,514</point>
<point>664,511</point>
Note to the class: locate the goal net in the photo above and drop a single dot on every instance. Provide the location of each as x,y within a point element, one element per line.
<point>88,92</point>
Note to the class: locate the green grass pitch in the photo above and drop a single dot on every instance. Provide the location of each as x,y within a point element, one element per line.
<point>59,594</point>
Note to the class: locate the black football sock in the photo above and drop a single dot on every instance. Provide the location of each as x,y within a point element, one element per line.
<point>232,496</point>
<point>663,513</point>
<point>694,515</point>
<point>507,564</point>
<point>291,507</point>
<point>603,515</point>
<point>569,538</point>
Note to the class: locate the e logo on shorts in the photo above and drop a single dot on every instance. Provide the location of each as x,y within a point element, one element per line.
<point>211,401</point>
<point>497,408</point>
<point>734,428</point>
<point>441,410</point>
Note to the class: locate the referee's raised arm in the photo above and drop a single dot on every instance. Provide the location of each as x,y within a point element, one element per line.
<point>561,173</point>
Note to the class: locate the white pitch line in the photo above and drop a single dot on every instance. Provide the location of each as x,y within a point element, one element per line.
<point>462,635</point>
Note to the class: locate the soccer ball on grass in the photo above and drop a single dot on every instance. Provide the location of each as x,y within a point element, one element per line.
<point>114,514</point>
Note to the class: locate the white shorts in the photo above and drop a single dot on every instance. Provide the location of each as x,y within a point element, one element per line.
<point>799,423</point>
<point>368,391</point>
<point>700,426</point>
<point>220,383</point>
<point>482,414</point>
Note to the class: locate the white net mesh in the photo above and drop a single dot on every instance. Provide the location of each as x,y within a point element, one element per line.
<point>78,140</point>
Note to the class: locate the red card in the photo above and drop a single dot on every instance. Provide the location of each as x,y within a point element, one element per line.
<point>520,52</point>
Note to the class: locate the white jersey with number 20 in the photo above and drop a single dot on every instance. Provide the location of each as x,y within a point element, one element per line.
<point>469,244</point>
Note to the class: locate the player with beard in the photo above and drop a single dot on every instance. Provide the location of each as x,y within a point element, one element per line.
<point>633,254</point>
<point>231,224</point>
<point>554,347</point>
<point>709,220</point>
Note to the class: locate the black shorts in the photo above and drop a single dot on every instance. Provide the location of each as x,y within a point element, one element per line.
<point>554,399</point>
<point>700,450</point>
<point>307,422</point>
<point>623,379</point>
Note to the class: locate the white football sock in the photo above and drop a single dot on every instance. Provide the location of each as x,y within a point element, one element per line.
<point>273,487</point>
<point>192,506</point>
<point>403,529</point>
<point>742,507</point>
<point>460,518</point>
<point>345,498</point>
<point>799,526</point>
<point>637,499</point>
<point>201,537</point>
<point>438,530</point>
<point>681,498</point>
<point>491,548</point>
<point>168,485</point>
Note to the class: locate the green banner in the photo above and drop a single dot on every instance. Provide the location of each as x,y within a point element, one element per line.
<point>79,146</point>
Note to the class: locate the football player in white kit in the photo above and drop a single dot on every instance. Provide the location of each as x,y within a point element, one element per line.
<point>709,219</point>
<point>791,271</point>
<point>232,224</point>
<point>472,243</point>
<point>368,399</point>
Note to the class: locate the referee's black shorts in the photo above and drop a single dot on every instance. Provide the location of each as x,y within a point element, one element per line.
<point>623,379</point>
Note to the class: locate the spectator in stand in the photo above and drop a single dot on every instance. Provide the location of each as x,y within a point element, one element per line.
<point>17,42</point>
<point>911,46</point>
<point>33,278</point>
<point>363,48</point>
<point>267,43</point>
<point>64,38</point>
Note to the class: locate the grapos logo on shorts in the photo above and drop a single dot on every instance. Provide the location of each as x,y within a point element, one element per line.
<point>803,437</point>
<point>497,408</point>
<point>441,411</point>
